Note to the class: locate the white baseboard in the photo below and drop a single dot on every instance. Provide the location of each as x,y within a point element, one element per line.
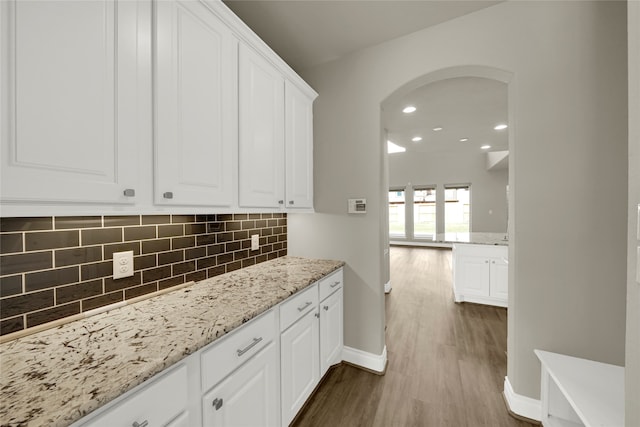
<point>387,287</point>
<point>370,361</point>
<point>522,405</point>
<point>427,244</point>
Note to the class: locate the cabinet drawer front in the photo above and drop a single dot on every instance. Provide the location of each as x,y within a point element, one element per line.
<point>158,402</point>
<point>330,284</point>
<point>221,358</point>
<point>297,306</point>
<point>491,251</point>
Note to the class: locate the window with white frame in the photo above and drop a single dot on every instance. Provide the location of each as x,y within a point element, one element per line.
<point>424,212</point>
<point>457,208</point>
<point>397,213</point>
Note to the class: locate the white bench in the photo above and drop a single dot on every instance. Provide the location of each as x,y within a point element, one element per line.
<point>580,392</point>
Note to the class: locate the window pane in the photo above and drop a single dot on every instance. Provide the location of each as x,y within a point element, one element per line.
<point>456,210</point>
<point>424,213</point>
<point>396,213</point>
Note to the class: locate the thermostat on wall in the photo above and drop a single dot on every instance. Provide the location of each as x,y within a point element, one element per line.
<point>357,206</point>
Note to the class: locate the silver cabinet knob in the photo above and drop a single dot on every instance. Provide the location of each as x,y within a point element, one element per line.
<point>290,202</point>
<point>168,195</point>
<point>145,423</point>
<point>486,262</point>
<point>217,403</point>
<point>281,202</point>
<point>326,308</point>
<point>129,192</point>
<point>317,315</point>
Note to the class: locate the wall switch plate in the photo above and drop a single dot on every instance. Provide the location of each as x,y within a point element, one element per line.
<point>357,206</point>
<point>255,242</point>
<point>122,264</point>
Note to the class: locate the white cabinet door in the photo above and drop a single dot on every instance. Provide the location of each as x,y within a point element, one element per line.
<point>160,401</point>
<point>331,331</point>
<point>248,397</point>
<point>72,74</point>
<point>195,106</point>
<point>298,148</point>
<point>261,139</point>
<point>499,272</point>
<point>472,275</point>
<point>299,364</point>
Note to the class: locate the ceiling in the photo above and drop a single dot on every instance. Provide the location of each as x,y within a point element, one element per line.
<point>306,33</point>
<point>310,32</point>
<point>464,107</point>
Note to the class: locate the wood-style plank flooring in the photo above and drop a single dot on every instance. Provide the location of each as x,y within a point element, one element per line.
<point>447,361</point>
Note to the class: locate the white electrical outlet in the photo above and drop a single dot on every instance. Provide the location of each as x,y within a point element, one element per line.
<point>122,264</point>
<point>255,242</point>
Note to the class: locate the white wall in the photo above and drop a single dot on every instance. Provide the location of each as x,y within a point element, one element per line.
<point>632,368</point>
<point>488,188</point>
<point>569,131</point>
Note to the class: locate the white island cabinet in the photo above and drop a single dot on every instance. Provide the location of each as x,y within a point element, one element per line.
<point>480,273</point>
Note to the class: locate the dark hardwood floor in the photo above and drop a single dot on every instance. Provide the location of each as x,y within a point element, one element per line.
<point>447,361</point>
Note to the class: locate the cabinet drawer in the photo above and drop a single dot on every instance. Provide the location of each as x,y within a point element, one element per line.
<point>489,251</point>
<point>158,402</point>
<point>330,284</point>
<point>225,356</point>
<point>297,306</point>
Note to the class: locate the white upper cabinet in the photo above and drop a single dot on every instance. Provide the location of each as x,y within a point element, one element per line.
<point>141,106</point>
<point>72,71</point>
<point>299,147</point>
<point>261,143</point>
<point>195,106</point>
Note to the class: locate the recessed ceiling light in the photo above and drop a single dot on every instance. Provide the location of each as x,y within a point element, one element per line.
<point>500,126</point>
<point>437,129</point>
<point>394,148</point>
<point>485,147</point>
<point>464,139</point>
<point>416,138</point>
<point>409,109</point>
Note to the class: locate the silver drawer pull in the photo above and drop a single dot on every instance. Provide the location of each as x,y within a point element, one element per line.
<point>317,315</point>
<point>305,306</point>
<point>168,195</point>
<point>129,192</point>
<point>290,202</point>
<point>145,423</point>
<point>249,347</point>
<point>281,202</point>
<point>326,308</point>
<point>335,284</point>
<point>217,403</point>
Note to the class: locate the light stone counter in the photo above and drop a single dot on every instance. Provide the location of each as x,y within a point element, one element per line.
<point>477,238</point>
<point>55,377</point>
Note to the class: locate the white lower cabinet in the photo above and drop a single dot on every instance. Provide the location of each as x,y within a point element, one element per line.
<point>247,397</point>
<point>161,401</point>
<point>480,274</point>
<point>261,374</point>
<point>331,336</point>
<point>299,363</point>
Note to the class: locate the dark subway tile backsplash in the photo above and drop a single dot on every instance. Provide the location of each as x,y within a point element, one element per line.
<point>55,267</point>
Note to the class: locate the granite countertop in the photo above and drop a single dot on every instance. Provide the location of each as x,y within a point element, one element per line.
<point>478,238</point>
<point>59,375</point>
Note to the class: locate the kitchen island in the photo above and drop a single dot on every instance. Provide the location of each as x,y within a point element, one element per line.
<point>57,376</point>
<point>481,268</point>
